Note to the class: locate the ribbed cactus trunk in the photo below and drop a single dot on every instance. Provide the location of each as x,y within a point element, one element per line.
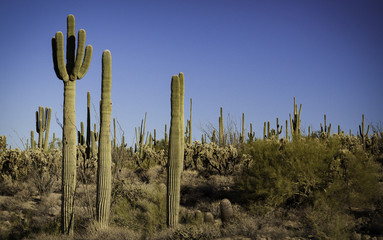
<point>104,171</point>
<point>69,158</point>
<point>48,115</point>
<point>75,68</point>
<point>221,130</point>
<point>176,151</point>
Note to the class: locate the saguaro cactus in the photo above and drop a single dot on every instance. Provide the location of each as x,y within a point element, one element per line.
<point>104,170</point>
<point>33,142</point>
<point>279,129</point>
<point>176,150</point>
<point>43,121</point>
<point>362,133</point>
<point>295,123</point>
<point>251,134</point>
<point>221,130</point>
<point>75,68</point>
<point>326,131</point>
<point>242,136</point>
<point>190,123</point>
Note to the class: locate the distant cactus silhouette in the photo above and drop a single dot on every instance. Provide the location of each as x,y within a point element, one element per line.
<point>75,68</point>
<point>104,169</point>
<point>326,130</point>
<point>362,133</point>
<point>295,123</point>
<point>176,150</point>
<point>251,134</point>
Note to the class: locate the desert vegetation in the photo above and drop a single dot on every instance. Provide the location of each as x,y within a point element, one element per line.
<point>229,185</point>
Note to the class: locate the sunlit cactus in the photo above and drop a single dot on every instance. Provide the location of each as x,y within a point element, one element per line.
<point>76,66</point>
<point>43,121</point>
<point>104,171</point>
<point>176,151</point>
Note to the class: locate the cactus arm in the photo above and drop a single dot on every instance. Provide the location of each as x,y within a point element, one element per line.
<point>79,54</point>
<point>299,119</point>
<point>60,58</point>
<point>71,44</point>
<point>54,57</point>
<point>86,63</point>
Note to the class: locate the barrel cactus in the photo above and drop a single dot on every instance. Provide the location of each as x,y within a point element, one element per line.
<point>226,210</point>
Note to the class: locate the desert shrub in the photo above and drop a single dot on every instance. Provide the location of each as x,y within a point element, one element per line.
<point>150,157</point>
<point>44,169</point>
<point>138,206</point>
<point>212,158</point>
<point>15,164</point>
<point>294,173</point>
<point>86,165</point>
<point>327,222</point>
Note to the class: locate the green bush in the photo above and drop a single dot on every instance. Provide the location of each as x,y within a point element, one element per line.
<point>295,173</point>
<point>138,206</point>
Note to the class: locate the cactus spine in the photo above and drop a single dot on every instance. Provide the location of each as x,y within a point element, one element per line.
<point>176,151</point>
<point>104,171</point>
<point>76,67</point>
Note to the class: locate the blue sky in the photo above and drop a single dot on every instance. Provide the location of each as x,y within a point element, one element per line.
<point>246,56</point>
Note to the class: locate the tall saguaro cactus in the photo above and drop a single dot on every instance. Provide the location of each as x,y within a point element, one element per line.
<point>75,68</point>
<point>104,170</point>
<point>176,150</point>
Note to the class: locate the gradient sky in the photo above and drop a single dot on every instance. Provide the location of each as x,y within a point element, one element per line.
<point>244,55</point>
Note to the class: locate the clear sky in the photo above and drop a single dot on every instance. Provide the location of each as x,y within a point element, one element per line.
<point>244,55</point>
